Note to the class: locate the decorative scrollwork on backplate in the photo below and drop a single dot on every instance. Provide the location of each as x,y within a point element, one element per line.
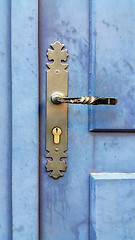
<point>57,78</point>
<point>57,55</point>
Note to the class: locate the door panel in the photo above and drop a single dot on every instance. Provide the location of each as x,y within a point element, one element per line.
<point>113,63</point>
<point>114,152</point>
<point>112,206</point>
<point>65,203</point>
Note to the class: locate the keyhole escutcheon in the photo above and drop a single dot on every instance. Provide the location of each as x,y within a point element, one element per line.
<point>56,134</point>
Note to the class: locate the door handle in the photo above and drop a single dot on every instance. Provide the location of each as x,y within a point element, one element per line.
<point>56,109</point>
<point>58,98</point>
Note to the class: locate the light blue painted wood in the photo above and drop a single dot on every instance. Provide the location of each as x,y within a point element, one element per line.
<point>25,119</point>
<point>5,122</point>
<point>65,203</point>
<point>113,63</point>
<point>114,152</point>
<point>112,211</point>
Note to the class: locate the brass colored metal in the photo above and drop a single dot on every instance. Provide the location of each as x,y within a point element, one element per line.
<point>56,115</point>
<point>56,135</point>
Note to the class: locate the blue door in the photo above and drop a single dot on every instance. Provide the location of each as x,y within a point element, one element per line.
<point>95,199</point>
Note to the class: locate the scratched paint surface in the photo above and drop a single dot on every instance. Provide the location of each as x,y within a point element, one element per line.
<point>113,63</point>
<point>65,204</point>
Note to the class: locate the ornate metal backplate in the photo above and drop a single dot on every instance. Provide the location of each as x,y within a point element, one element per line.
<point>56,115</point>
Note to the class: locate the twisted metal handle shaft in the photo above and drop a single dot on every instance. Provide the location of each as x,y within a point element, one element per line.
<point>58,98</point>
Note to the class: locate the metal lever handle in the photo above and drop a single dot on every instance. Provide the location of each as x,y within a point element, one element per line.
<point>58,98</point>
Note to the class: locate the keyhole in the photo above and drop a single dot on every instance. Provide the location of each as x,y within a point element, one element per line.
<point>56,135</point>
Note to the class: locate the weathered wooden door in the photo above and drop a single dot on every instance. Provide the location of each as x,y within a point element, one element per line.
<point>96,197</point>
